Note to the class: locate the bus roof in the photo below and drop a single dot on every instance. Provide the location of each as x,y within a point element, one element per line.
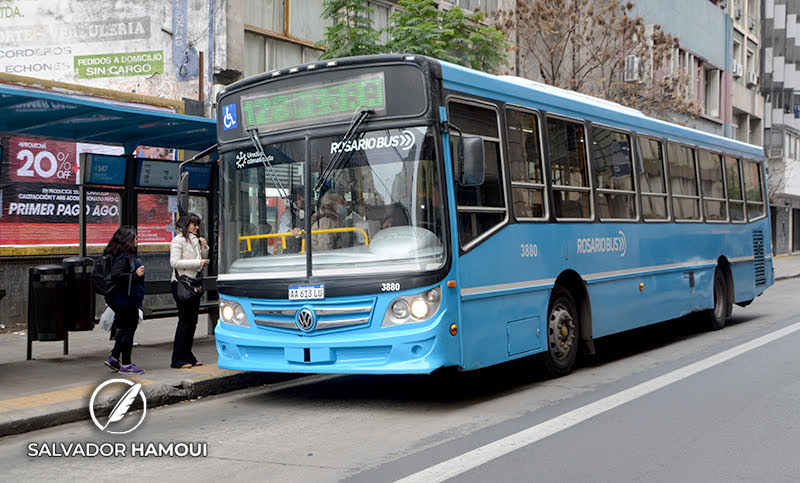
<point>525,92</point>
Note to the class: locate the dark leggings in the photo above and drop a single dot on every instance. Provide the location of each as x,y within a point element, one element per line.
<point>184,333</point>
<point>126,319</point>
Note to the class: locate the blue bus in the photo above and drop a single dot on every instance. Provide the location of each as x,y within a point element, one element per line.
<point>399,214</point>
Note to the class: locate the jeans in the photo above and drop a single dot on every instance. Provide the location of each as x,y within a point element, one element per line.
<point>126,320</point>
<point>184,332</point>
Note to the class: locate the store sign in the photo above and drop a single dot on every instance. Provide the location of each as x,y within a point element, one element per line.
<point>119,65</point>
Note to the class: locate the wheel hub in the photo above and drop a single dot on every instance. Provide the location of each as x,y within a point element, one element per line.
<point>561,331</point>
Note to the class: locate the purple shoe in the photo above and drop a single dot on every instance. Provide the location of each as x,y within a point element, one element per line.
<point>130,369</point>
<point>112,363</point>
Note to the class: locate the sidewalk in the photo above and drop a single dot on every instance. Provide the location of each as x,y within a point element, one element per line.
<point>786,266</point>
<point>53,388</point>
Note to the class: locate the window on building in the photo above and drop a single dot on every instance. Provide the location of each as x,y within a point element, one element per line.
<point>270,45</point>
<point>712,186</point>
<point>484,5</point>
<point>525,161</point>
<point>712,92</point>
<point>683,181</point>
<point>479,208</point>
<point>613,174</point>
<point>568,169</point>
<point>734,180</point>
<point>652,180</point>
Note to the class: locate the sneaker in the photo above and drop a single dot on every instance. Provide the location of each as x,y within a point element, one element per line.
<point>112,363</point>
<point>130,369</point>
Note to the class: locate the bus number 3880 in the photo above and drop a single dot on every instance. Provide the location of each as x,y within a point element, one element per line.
<point>529,250</point>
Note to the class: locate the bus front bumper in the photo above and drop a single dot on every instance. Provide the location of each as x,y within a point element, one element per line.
<point>408,351</point>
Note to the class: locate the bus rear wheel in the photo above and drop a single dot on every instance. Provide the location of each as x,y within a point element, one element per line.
<point>562,334</point>
<point>717,316</point>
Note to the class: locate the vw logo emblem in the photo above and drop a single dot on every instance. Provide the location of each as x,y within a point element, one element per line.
<point>304,319</point>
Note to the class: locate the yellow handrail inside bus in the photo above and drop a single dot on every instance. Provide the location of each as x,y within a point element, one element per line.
<point>282,236</point>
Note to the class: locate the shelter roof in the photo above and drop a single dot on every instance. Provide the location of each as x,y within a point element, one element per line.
<point>26,110</point>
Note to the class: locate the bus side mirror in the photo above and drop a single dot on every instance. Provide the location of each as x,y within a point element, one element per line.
<point>183,194</point>
<point>472,171</point>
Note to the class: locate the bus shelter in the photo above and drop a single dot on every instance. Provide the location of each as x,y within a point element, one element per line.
<point>131,190</point>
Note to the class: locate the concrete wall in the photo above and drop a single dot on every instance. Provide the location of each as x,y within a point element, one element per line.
<point>148,47</point>
<point>699,24</point>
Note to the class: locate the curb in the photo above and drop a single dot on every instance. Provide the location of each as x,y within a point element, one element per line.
<point>156,395</point>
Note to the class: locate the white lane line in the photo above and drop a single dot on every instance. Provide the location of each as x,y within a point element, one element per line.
<point>473,459</point>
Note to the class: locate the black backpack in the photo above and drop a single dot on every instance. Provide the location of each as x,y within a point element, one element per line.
<point>101,276</point>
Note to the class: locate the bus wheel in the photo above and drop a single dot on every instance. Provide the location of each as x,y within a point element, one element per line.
<point>716,317</point>
<point>562,334</point>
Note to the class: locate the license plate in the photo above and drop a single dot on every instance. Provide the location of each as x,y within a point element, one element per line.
<point>306,292</point>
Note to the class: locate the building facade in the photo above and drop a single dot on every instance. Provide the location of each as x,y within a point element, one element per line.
<point>781,86</point>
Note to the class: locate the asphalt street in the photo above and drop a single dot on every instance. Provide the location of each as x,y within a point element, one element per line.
<point>732,420</point>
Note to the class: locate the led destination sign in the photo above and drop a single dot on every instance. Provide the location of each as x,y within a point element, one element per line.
<point>292,106</point>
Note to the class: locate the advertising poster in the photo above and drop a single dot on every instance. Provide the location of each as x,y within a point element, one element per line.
<point>40,199</point>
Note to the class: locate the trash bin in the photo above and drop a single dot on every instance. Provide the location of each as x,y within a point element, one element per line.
<point>80,297</point>
<point>47,301</point>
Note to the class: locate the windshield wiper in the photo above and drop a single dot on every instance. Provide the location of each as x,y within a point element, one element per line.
<point>336,160</point>
<point>253,132</point>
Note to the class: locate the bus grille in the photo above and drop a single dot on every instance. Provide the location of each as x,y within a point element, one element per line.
<point>326,315</point>
<point>758,257</point>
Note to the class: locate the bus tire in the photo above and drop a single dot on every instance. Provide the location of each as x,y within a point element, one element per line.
<point>563,335</point>
<point>717,316</point>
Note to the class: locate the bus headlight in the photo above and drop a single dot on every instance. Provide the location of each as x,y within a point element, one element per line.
<point>419,308</point>
<point>232,313</point>
<point>412,308</point>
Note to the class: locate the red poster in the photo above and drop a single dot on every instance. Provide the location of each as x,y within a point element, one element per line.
<point>42,161</point>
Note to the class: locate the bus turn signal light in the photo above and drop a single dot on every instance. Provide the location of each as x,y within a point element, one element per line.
<point>641,287</point>
<point>451,283</point>
<point>453,329</point>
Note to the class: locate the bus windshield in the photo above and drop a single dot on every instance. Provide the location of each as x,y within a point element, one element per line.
<point>381,207</point>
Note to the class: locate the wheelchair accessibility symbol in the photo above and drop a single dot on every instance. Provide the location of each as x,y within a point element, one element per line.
<point>229,117</point>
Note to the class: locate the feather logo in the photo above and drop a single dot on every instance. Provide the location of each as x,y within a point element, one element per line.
<point>121,409</point>
<point>122,406</point>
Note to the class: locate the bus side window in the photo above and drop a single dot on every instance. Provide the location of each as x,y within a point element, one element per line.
<point>483,207</point>
<point>734,179</point>
<point>753,189</point>
<point>652,180</point>
<point>525,162</point>
<point>683,180</point>
<point>613,174</point>
<point>714,202</point>
<point>569,170</point>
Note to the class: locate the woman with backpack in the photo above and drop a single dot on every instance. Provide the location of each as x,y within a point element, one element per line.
<point>125,299</point>
<point>187,256</point>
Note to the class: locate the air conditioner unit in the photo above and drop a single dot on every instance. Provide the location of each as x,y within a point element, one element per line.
<point>752,78</point>
<point>737,70</point>
<point>631,72</point>
<point>751,24</point>
<point>737,13</point>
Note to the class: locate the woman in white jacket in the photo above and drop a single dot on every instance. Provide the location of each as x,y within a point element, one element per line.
<point>187,255</point>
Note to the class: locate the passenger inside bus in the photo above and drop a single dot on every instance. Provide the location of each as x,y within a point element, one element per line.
<point>330,215</point>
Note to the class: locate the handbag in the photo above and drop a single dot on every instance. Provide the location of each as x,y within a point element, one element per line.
<point>190,289</point>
